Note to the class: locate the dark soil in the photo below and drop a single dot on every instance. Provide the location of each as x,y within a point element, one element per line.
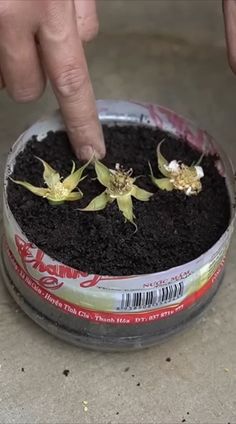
<point>172,228</point>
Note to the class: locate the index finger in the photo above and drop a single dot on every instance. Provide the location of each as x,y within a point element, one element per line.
<point>65,64</point>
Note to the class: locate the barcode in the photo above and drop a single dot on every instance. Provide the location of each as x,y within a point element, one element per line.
<point>149,299</point>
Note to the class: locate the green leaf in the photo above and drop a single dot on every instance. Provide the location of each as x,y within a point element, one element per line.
<point>97,204</point>
<point>141,194</point>
<point>54,202</point>
<point>103,174</point>
<point>163,183</point>
<point>151,171</point>
<point>162,162</point>
<point>199,160</point>
<point>71,182</point>
<point>73,167</point>
<point>125,205</point>
<point>50,176</point>
<point>76,195</point>
<point>42,192</point>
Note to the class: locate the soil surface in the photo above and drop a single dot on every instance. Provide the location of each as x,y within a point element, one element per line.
<point>172,228</point>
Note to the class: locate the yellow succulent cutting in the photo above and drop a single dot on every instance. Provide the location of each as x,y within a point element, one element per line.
<point>57,190</point>
<point>120,187</point>
<point>177,175</point>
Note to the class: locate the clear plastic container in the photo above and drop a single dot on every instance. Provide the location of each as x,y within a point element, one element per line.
<point>97,311</point>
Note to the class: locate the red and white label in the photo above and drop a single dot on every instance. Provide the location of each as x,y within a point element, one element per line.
<point>107,317</point>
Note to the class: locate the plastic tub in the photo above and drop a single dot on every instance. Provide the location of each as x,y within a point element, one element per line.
<point>104,312</point>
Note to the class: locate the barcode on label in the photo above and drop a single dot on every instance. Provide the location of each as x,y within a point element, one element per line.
<point>149,299</point>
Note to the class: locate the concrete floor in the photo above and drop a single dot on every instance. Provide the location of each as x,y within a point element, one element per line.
<point>199,384</point>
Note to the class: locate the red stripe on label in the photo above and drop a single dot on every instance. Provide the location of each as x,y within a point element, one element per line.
<point>111,317</point>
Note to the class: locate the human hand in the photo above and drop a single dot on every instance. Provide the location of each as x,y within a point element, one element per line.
<point>229,10</point>
<point>40,39</point>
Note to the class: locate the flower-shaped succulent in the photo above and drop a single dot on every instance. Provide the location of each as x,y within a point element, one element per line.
<point>57,190</point>
<point>177,175</point>
<point>120,186</point>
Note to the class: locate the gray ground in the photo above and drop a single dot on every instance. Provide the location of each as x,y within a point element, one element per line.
<point>199,384</point>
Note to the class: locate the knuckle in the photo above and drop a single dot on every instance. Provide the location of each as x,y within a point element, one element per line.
<point>70,80</point>
<point>25,95</point>
<point>75,127</point>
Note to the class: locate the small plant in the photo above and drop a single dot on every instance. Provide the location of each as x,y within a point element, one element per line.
<point>120,186</point>
<point>57,191</point>
<point>177,175</point>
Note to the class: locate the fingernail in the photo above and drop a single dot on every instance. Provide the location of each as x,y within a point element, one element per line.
<point>85,152</point>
